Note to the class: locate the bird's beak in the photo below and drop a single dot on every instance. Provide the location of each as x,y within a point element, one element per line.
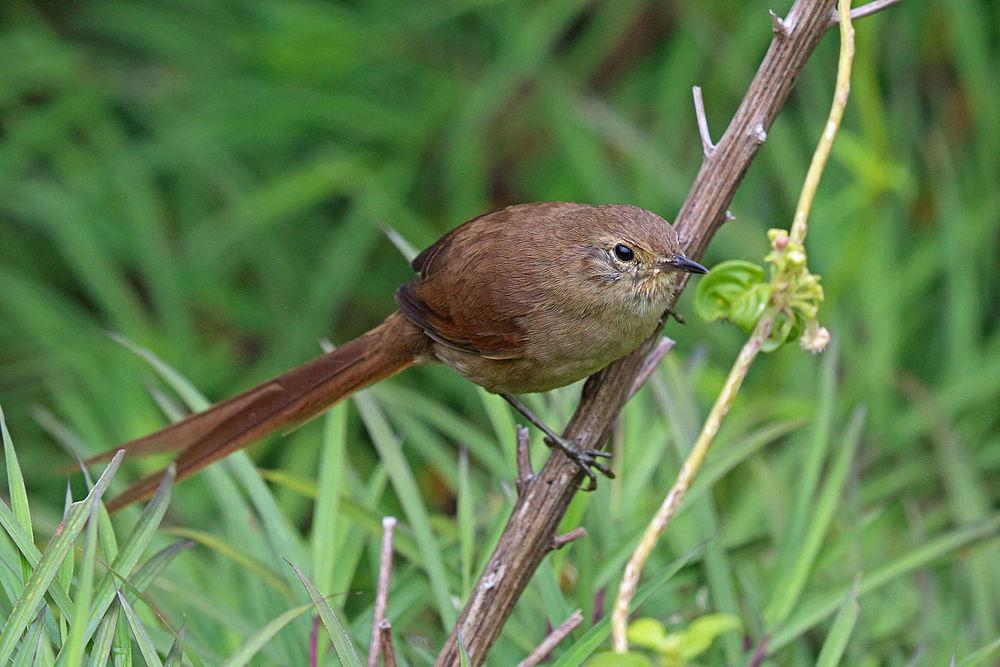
<point>684,264</point>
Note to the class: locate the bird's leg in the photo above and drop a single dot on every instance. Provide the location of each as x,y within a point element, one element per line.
<point>585,459</point>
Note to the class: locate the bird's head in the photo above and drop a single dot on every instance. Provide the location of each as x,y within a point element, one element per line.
<point>635,255</point>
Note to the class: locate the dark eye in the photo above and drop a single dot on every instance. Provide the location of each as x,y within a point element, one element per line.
<point>624,253</point>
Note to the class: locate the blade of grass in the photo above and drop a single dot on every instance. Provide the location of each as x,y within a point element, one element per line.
<point>503,423</point>
<point>978,656</point>
<point>101,646</point>
<point>51,560</point>
<point>435,413</point>
<point>259,638</point>
<point>261,571</point>
<point>338,635</point>
<point>31,645</point>
<point>796,572</point>
<point>140,634</point>
<point>350,544</point>
<point>65,577</point>
<point>466,521</point>
<point>836,641</point>
<point>131,550</point>
<point>74,645</point>
<point>682,413</point>
<point>176,652</point>
<point>409,496</point>
<point>361,513</point>
<point>813,611</point>
<point>329,488</point>
<point>282,538</point>
<point>143,577</point>
<point>813,454</point>
<point>121,646</point>
<point>193,398</point>
<point>18,494</point>
<point>723,460</point>
<point>463,654</point>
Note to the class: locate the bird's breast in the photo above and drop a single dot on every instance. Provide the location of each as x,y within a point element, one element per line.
<point>560,349</point>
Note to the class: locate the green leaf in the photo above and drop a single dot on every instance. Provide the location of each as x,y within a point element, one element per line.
<point>699,635</point>
<point>733,290</point>
<point>650,633</point>
<point>786,328</point>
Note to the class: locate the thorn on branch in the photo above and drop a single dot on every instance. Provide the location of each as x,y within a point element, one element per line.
<point>552,640</point>
<point>863,11</point>
<point>699,113</point>
<point>758,133</point>
<point>779,25</point>
<point>382,599</point>
<point>559,541</point>
<point>729,216</point>
<point>525,475</point>
<point>650,363</point>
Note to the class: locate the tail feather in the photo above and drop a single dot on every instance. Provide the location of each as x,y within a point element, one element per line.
<point>288,400</point>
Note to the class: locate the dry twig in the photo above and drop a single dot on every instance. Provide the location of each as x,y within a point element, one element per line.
<point>864,10</point>
<point>559,541</point>
<point>381,641</point>
<point>699,114</point>
<point>524,472</point>
<point>552,640</point>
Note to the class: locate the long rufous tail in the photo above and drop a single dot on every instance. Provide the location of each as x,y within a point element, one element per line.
<point>288,399</point>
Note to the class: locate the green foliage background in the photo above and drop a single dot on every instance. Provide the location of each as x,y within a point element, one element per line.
<point>210,179</point>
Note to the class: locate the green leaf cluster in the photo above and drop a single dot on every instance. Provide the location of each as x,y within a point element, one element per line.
<point>676,648</point>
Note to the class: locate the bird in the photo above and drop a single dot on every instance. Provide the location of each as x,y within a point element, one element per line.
<point>523,299</point>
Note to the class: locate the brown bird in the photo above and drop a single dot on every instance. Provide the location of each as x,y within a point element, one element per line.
<point>523,299</point>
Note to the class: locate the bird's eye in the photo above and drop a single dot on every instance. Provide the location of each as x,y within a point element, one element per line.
<point>624,253</point>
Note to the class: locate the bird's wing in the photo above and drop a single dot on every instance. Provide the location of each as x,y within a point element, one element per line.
<point>471,294</point>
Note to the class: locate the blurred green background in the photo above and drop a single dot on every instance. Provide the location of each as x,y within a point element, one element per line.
<point>212,180</point>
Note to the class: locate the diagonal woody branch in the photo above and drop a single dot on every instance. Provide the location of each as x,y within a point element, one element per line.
<point>542,503</point>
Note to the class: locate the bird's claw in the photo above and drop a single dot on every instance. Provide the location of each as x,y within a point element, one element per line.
<point>586,459</point>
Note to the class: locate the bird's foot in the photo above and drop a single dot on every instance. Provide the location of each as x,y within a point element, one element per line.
<point>587,460</point>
